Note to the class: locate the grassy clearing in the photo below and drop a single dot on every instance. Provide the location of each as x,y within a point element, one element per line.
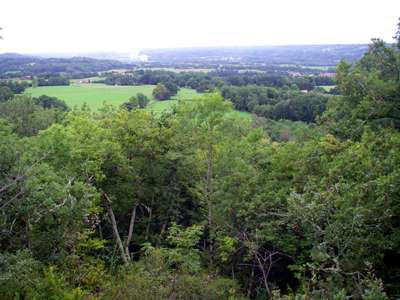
<point>95,95</point>
<point>180,70</point>
<point>327,87</point>
<point>157,107</point>
<point>319,68</point>
<point>241,114</point>
<point>78,81</point>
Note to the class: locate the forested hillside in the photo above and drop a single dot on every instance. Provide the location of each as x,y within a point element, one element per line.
<point>310,55</point>
<point>25,66</point>
<point>301,202</point>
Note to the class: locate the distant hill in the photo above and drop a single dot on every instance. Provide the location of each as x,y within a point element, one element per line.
<point>309,55</point>
<point>13,56</point>
<point>14,65</point>
<point>125,57</point>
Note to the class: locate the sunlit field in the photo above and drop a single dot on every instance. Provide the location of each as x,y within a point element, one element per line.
<point>95,95</point>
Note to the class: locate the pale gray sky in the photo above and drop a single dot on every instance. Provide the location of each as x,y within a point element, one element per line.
<point>32,26</point>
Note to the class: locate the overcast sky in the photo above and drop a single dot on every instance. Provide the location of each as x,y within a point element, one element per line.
<point>33,26</point>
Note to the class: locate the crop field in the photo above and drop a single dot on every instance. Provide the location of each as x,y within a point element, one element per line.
<point>95,95</point>
<point>327,87</point>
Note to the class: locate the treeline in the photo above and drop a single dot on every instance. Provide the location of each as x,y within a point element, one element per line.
<point>10,87</point>
<point>50,80</point>
<point>194,80</point>
<point>306,55</point>
<point>203,82</point>
<point>21,66</point>
<point>277,104</point>
<point>277,81</point>
<point>17,87</point>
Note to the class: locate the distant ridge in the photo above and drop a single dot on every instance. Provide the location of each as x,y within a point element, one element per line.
<point>328,55</point>
<point>325,54</point>
<point>14,55</point>
<point>24,66</point>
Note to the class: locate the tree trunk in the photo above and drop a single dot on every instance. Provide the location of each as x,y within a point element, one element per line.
<point>130,231</point>
<point>150,211</point>
<point>148,224</point>
<point>28,228</point>
<point>209,191</point>
<point>251,280</point>
<point>264,274</point>
<point>115,229</point>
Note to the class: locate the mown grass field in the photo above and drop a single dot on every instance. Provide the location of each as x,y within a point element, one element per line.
<point>158,107</point>
<point>327,87</point>
<point>95,95</point>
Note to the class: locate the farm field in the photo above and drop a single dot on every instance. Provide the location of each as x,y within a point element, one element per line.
<point>327,87</point>
<point>319,68</point>
<point>158,107</point>
<point>79,81</point>
<point>95,95</point>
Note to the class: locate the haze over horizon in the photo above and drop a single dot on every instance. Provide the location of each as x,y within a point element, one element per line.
<point>127,26</point>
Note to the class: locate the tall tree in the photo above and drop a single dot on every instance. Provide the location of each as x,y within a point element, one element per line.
<point>204,120</point>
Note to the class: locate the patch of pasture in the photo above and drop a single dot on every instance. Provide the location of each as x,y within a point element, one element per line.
<point>95,95</point>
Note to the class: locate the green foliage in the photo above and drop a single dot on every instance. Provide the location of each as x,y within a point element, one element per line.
<point>5,93</point>
<point>199,204</point>
<point>17,87</point>
<point>164,91</point>
<point>138,101</point>
<point>285,130</point>
<point>23,278</point>
<point>184,256</point>
<point>51,102</point>
<point>27,117</point>
<point>52,80</point>
<point>156,277</point>
<point>276,104</point>
<point>370,92</point>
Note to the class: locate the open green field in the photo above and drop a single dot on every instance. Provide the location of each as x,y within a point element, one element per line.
<point>327,87</point>
<point>78,81</point>
<point>320,68</point>
<point>158,107</point>
<point>95,95</point>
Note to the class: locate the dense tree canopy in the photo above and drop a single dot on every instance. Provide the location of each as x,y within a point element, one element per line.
<point>277,104</point>
<point>138,101</point>
<point>200,203</point>
<point>5,93</point>
<point>165,91</point>
<point>51,102</point>
<point>370,89</point>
